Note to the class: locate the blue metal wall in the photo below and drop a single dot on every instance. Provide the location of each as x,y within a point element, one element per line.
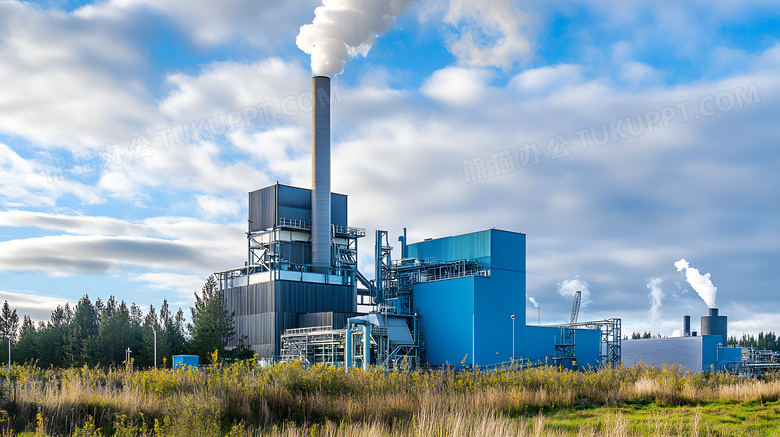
<point>449,306</point>
<point>709,351</point>
<point>497,298</point>
<point>446,307</point>
<point>729,354</point>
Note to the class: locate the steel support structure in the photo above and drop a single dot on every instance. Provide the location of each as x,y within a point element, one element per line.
<point>610,350</point>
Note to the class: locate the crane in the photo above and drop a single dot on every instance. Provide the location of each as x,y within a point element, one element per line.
<point>575,307</point>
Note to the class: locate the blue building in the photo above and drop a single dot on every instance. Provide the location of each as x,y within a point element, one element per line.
<point>471,316</point>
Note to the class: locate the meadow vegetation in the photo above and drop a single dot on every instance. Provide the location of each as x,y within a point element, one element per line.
<point>240,399</point>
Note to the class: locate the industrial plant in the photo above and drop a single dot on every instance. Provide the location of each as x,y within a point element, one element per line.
<point>449,301</point>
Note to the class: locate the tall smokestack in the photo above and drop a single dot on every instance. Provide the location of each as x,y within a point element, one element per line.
<point>320,172</point>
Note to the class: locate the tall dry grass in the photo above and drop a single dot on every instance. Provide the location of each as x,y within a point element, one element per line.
<point>241,399</point>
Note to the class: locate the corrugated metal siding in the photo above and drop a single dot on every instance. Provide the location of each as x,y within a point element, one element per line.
<point>306,297</point>
<point>334,320</point>
<point>493,248</point>
<point>685,351</point>
<point>250,299</point>
<point>294,203</point>
<point>262,208</point>
<point>269,204</point>
<point>338,209</point>
<point>295,252</point>
<point>263,311</point>
<point>507,250</point>
<point>473,246</point>
<point>312,320</point>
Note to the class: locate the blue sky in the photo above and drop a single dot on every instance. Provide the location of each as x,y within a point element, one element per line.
<point>620,136</point>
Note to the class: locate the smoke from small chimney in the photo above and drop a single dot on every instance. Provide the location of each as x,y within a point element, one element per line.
<point>701,284</point>
<point>656,295</point>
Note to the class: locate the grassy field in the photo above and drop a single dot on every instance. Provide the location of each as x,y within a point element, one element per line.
<point>288,400</point>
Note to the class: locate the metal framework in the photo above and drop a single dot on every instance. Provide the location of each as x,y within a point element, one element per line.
<point>610,350</point>
<point>755,363</point>
<point>575,307</point>
<point>313,345</point>
<point>563,351</point>
<point>264,255</point>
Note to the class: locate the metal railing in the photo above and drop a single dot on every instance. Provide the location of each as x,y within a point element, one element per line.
<point>337,229</point>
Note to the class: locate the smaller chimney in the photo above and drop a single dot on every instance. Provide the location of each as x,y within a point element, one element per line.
<point>686,326</point>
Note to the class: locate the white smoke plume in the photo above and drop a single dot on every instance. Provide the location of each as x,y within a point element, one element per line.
<point>534,302</point>
<point>342,29</point>
<point>700,283</point>
<point>656,295</point>
<point>568,288</point>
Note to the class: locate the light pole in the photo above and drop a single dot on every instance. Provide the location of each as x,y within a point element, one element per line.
<point>155,346</point>
<point>513,336</point>
<point>473,322</point>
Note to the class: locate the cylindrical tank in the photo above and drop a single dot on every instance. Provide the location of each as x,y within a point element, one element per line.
<point>715,324</point>
<point>686,326</point>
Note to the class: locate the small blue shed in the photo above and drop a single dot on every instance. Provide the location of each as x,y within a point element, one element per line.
<point>185,360</point>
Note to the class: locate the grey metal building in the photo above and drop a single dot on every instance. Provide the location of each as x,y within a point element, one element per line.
<point>279,288</point>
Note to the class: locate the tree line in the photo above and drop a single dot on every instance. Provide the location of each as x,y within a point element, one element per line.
<point>767,341</point>
<point>100,333</point>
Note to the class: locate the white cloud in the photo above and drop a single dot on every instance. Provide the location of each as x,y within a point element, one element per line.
<point>111,245</point>
<point>283,88</point>
<point>542,80</point>
<point>26,182</point>
<point>636,73</point>
<point>71,80</point>
<point>214,206</point>
<point>488,33</point>
<point>39,308</point>
<point>183,285</point>
<point>568,288</point>
<point>262,23</point>
<point>457,86</point>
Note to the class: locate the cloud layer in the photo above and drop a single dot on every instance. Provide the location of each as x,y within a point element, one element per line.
<point>618,142</point>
